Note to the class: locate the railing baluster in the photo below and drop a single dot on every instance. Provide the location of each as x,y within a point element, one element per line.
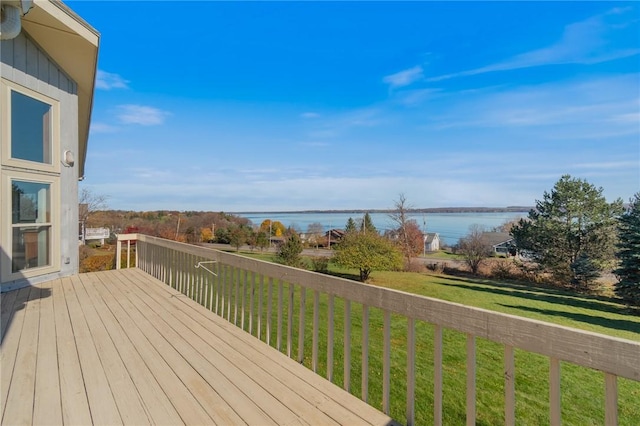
<point>555,415</point>
<point>269,304</point>
<point>509,387</point>
<point>260,290</point>
<point>251,291</point>
<point>244,298</point>
<point>316,324</point>
<point>411,371</point>
<point>330,340</point>
<point>290,319</point>
<point>610,399</point>
<point>223,294</point>
<point>347,345</point>
<point>365,353</point>
<point>236,300</point>
<point>386,362</point>
<point>279,330</point>
<point>437,375</point>
<point>303,305</point>
<point>230,284</point>
<point>471,380</point>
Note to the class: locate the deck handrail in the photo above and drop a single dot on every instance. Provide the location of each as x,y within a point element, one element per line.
<point>174,263</point>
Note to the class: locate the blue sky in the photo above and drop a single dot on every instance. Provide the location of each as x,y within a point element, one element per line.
<point>334,105</point>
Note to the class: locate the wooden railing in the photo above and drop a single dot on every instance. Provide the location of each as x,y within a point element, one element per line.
<point>222,281</point>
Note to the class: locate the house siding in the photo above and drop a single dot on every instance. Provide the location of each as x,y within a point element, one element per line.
<point>24,63</point>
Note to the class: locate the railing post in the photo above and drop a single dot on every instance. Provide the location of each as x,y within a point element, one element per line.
<point>118,252</point>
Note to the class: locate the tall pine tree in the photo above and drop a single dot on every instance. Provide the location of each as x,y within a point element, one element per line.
<point>628,272</point>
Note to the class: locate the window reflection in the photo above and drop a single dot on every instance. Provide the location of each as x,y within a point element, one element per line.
<point>30,129</point>
<point>30,206</point>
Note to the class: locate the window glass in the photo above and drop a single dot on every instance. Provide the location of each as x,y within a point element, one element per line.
<point>30,206</point>
<point>30,247</point>
<point>30,129</point>
<point>30,202</point>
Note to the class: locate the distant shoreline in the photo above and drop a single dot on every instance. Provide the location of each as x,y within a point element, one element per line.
<point>510,209</point>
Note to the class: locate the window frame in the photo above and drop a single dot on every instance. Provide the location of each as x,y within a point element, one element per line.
<point>28,171</point>
<point>6,87</point>
<point>7,232</point>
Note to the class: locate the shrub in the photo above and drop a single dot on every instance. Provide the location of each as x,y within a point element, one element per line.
<point>319,263</point>
<point>98,263</point>
<point>437,267</point>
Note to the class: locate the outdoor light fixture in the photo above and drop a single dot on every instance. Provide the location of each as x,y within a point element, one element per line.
<point>69,159</point>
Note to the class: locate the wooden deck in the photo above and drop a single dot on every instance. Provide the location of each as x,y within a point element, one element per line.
<point>120,347</point>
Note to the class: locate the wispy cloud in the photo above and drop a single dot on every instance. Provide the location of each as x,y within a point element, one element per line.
<point>585,42</point>
<point>97,127</point>
<point>107,81</point>
<point>140,114</point>
<point>404,78</point>
<point>309,115</point>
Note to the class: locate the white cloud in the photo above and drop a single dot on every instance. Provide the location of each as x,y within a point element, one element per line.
<point>584,42</point>
<point>97,127</point>
<point>107,81</point>
<point>140,114</point>
<point>405,77</point>
<point>309,115</point>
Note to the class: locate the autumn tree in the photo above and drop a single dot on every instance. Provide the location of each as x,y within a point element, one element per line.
<point>367,252</point>
<point>571,230</point>
<point>410,238</point>
<point>474,248</point>
<point>628,253</point>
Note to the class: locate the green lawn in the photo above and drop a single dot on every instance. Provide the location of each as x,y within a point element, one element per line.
<point>582,389</point>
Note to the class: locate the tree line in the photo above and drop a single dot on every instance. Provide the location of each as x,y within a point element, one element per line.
<point>571,237</point>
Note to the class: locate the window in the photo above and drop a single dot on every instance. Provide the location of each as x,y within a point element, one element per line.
<point>30,129</point>
<point>29,183</point>
<point>31,225</point>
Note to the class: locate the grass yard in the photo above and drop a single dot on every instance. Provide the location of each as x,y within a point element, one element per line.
<point>582,389</point>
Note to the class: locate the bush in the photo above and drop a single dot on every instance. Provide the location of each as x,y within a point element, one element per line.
<point>320,263</point>
<point>98,263</point>
<point>414,266</point>
<point>437,267</point>
<point>503,270</point>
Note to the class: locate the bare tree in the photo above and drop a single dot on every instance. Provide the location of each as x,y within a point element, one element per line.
<point>90,203</point>
<point>409,241</point>
<point>474,248</point>
<point>315,231</point>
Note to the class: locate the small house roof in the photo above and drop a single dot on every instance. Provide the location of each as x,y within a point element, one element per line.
<point>430,236</point>
<point>496,238</point>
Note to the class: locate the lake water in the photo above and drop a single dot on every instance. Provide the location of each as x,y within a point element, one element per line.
<point>450,226</point>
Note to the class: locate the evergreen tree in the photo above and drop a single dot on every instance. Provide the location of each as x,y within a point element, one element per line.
<point>289,252</point>
<point>585,272</point>
<point>628,272</point>
<point>367,224</point>
<point>351,226</point>
<point>573,220</point>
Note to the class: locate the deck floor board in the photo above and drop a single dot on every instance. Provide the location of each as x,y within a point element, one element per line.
<point>120,347</point>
